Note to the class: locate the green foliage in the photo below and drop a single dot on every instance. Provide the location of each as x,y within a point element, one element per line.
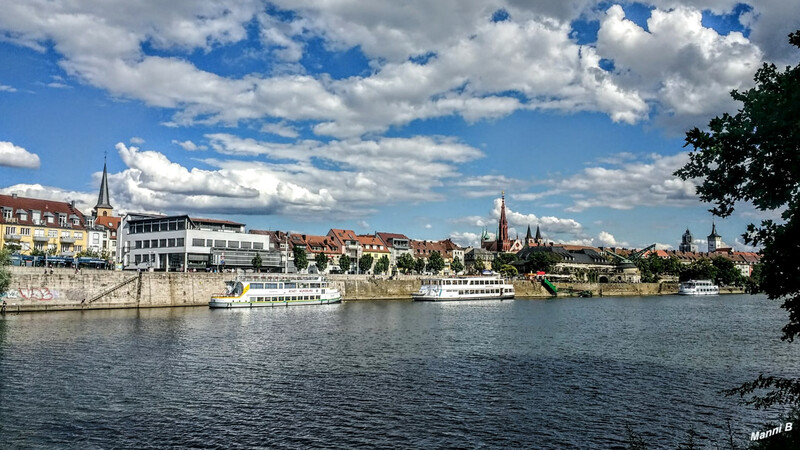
<point>702,269</point>
<point>406,263</point>
<point>435,262</point>
<point>479,266</point>
<point>753,283</point>
<point>503,259</point>
<point>727,273</point>
<point>300,257</point>
<point>13,247</point>
<point>456,266</point>
<point>419,264</point>
<point>322,261</point>
<point>382,264</point>
<point>36,252</point>
<point>508,271</point>
<point>344,263</point>
<point>5,274</point>
<point>541,262</point>
<point>365,263</point>
<point>256,262</point>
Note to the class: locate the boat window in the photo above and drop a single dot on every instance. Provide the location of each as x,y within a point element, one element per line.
<point>256,285</point>
<point>270,285</point>
<point>290,285</point>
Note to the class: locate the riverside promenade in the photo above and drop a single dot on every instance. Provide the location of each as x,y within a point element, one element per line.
<point>33,289</point>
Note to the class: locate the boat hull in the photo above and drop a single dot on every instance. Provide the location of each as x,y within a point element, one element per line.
<point>228,303</point>
<point>431,298</point>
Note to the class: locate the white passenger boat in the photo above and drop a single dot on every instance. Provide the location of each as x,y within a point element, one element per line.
<point>270,290</point>
<point>698,287</point>
<point>464,288</point>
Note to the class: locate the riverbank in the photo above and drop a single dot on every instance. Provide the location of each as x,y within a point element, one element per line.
<point>33,289</point>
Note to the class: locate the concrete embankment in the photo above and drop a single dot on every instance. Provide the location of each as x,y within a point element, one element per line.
<point>34,290</point>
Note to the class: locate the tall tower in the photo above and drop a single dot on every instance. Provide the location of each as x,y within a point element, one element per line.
<point>103,206</point>
<point>714,240</point>
<point>503,244</point>
<point>687,242</point>
<point>538,237</point>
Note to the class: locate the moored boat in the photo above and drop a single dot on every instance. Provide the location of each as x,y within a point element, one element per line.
<point>250,291</point>
<point>698,287</point>
<point>464,288</point>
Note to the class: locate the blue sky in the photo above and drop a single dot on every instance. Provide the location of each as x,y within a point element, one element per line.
<point>404,117</point>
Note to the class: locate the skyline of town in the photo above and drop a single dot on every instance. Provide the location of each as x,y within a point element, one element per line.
<point>299,117</point>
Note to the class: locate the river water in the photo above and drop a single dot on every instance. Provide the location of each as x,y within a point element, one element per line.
<point>523,373</point>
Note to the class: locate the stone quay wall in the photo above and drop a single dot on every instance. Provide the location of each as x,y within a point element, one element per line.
<point>33,289</point>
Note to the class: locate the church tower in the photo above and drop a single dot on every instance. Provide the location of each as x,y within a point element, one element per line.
<point>714,240</point>
<point>503,243</point>
<point>687,242</point>
<point>103,207</point>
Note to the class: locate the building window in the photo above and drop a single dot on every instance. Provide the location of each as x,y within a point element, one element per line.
<point>7,214</point>
<point>96,239</point>
<point>78,235</point>
<point>25,231</point>
<point>170,242</point>
<point>38,233</point>
<point>137,259</point>
<point>260,246</point>
<point>218,243</point>
<point>233,244</point>
<point>49,219</point>
<point>198,242</point>
<point>179,242</point>
<point>11,230</point>
<point>153,243</point>
<point>23,216</point>
<point>78,248</point>
<point>65,234</point>
<point>52,233</point>
<point>209,243</point>
<point>162,243</point>
<point>245,245</point>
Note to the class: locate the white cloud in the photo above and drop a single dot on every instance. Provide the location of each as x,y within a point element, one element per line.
<point>6,88</point>
<point>660,246</point>
<point>687,70</point>
<point>14,156</point>
<point>189,145</point>
<point>647,183</point>
<point>607,239</point>
<point>136,140</point>
<point>155,172</point>
<point>280,129</point>
<point>466,239</point>
<point>473,67</point>
<point>84,201</point>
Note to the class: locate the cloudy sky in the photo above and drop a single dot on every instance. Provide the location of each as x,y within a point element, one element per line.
<point>399,116</point>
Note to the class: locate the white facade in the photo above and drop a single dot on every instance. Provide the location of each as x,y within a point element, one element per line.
<point>178,243</point>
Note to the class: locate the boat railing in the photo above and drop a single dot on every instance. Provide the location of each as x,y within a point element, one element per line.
<point>278,277</point>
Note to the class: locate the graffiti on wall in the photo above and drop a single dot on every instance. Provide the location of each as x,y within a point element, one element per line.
<point>32,294</point>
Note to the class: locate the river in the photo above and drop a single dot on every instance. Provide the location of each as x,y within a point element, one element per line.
<point>523,373</point>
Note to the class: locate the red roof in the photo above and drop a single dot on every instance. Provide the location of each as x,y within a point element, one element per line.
<point>29,205</point>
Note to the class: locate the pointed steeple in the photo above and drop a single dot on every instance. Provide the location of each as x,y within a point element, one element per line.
<point>503,243</point>
<point>528,235</point>
<point>103,206</point>
<point>713,230</point>
<point>538,235</point>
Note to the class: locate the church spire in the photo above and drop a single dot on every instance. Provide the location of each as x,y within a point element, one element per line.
<point>103,206</point>
<point>503,243</point>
